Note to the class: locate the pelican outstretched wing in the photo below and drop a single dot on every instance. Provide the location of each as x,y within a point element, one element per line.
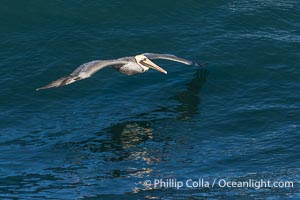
<point>171,57</point>
<point>84,71</point>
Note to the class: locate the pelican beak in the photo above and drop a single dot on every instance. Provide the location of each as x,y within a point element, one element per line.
<point>150,64</point>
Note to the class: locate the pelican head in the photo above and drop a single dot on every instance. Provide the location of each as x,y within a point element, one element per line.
<point>145,63</point>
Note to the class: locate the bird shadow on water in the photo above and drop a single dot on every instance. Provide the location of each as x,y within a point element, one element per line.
<point>189,99</point>
<point>131,139</point>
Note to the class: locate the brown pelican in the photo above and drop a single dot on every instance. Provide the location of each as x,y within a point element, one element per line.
<point>127,65</point>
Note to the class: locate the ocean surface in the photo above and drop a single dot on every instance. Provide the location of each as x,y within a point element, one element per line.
<point>114,136</point>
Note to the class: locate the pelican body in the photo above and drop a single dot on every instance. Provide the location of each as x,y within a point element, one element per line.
<point>126,65</point>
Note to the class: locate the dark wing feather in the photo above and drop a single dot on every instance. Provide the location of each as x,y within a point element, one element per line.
<point>170,57</point>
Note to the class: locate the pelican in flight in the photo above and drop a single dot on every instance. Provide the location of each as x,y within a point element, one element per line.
<point>126,65</point>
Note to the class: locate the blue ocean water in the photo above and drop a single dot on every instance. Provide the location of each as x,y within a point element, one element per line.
<point>104,137</point>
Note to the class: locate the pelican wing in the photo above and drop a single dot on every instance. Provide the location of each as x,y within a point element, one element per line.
<point>84,71</point>
<point>171,57</point>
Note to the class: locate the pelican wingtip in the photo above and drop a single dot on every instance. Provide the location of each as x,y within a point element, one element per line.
<point>199,64</point>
